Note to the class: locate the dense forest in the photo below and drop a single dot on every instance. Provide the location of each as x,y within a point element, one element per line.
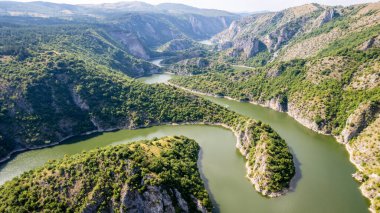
<point>162,172</point>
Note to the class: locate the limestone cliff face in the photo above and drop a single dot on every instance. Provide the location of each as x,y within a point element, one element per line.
<point>245,47</point>
<point>189,66</point>
<point>142,33</point>
<point>155,199</point>
<point>373,42</point>
<point>273,30</point>
<point>299,114</point>
<point>326,16</point>
<point>358,121</point>
<point>364,153</point>
<point>176,45</point>
<point>257,149</point>
<point>358,19</point>
<point>279,103</point>
<point>300,32</point>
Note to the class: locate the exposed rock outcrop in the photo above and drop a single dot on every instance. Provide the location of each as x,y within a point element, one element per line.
<point>256,150</point>
<point>132,43</point>
<point>357,121</point>
<point>176,45</point>
<point>326,16</point>
<point>246,47</point>
<point>154,199</point>
<point>279,103</point>
<point>365,153</point>
<point>373,42</point>
<point>189,66</point>
<point>274,30</point>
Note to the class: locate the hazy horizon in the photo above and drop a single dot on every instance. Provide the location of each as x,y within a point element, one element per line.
<point>228,5</point>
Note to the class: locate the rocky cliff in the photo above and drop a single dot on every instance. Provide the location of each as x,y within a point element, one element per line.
<point>273,30</point>
<point>298,32</point>
<point>176,45</point>
<point>262,166</point>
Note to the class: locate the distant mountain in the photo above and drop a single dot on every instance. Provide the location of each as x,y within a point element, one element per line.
<point>132,6</point>
<point>39,9</point>
<point>47,9</point>
<point>182,8</point>
<point>138,27</point>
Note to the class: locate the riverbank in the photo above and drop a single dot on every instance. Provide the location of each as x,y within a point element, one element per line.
<point>304,122</point>
<point>241,131</point>
<point>321,164</point>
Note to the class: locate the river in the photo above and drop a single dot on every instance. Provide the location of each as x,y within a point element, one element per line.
<point>323,182</point>
<point>206,42</point>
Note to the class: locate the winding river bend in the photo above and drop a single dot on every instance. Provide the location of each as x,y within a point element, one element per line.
<point>323,182</point>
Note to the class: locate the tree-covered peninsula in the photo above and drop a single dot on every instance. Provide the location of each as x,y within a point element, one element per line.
<point>159,175</point>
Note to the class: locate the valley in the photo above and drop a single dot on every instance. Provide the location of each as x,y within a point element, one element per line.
<point>321,163</point>
<point>283,105</point>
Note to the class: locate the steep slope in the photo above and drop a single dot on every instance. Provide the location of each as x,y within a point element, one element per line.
<point>271,31</point>
<point>86,41</point>
<point>64,96</point>
<point>48,9</point>
<point>160,175</point>
<point>298,32</point>
<point>155,29</point>
<point>138,26</point>
<point>326,76</point>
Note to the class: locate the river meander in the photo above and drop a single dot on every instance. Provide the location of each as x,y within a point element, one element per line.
<point>323,182</point>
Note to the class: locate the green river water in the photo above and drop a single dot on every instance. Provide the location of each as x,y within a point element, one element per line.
<point>323,181</point>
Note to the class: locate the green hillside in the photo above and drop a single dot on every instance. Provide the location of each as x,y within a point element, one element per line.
<point>160,174</point>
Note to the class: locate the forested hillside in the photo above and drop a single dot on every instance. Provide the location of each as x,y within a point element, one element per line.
<point>68,70</point>
<point>136,27</point>
<point>89,42</point>
<point>64,96</point>
<point>160,175</point>
<point>319,64</point>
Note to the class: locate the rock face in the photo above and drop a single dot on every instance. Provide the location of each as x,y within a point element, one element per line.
<point>189,66</point>
<point>146,32</point>
<point>272,31</point>
<point>246,47</point>
<point>373,42</point>
<point>364,153</point>
<point>257,149</point>
<point>154,199</point>
<point>280,103</point>
<point>282,35</point>
<point>176,45</point>
<point>132,44</point>
<point>326,16</point>
<point>358,121</point>
<point>287,34</point>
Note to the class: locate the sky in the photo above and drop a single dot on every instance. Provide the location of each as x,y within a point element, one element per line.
<point>229,5</point>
